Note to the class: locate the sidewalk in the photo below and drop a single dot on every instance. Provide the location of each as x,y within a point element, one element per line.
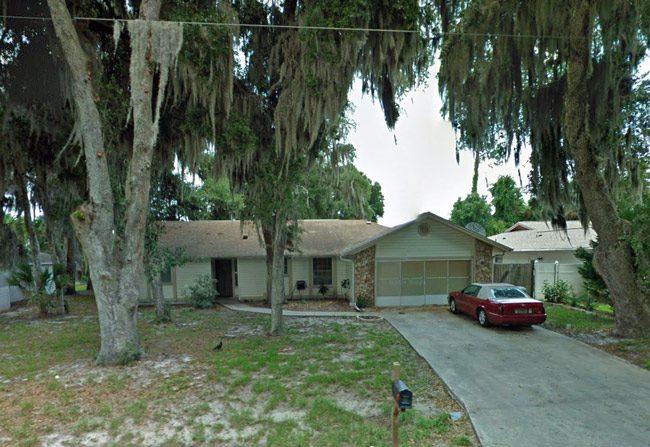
<point>243,307</point>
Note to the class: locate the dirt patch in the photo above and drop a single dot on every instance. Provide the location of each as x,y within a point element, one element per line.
<point>139,375</point>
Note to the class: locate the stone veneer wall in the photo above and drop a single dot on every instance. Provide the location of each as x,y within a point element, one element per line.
<point>364,275</point>
<point>482,262</point>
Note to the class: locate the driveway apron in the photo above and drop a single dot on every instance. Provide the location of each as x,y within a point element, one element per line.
<point>532,387</point>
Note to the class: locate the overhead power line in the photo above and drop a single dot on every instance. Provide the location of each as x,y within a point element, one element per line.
<point>297,27</point>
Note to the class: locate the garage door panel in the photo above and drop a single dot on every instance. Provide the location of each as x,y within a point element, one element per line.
<point>458,284</point>
<point>435,286</point>
<point>413,283</point>
<point>460,268</point>
<point>389,282</point>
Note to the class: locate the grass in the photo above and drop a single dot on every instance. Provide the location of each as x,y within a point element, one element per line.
<point>565,318</point>
<point>572,321</point>
<point>321,383</point>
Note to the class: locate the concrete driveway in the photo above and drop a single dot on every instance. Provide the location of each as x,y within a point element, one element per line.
<point>532,387</point>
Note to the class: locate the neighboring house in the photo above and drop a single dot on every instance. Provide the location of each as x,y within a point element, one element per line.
<point>412,264</point>
<point>232,254</point>
<point>420,262</point>
<point>538,241</point>
<point>550,253</point>
<point>11,294</point>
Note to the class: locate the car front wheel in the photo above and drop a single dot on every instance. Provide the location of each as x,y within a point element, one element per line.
<point>452,306</point>
<point>482,318</point>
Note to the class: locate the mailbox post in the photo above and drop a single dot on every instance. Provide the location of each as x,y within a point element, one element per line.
<point>402,399</point>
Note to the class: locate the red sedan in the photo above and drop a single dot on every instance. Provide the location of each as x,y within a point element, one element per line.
<point>497,304</point>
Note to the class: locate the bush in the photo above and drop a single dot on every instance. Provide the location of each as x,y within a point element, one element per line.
<point>560,292</point>
<point>203,293</point>
<point>362,302</point>
<point>594,283</point>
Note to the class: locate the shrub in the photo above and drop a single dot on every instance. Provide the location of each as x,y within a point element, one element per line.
<point>362,302</point>
<point>203,293</point>
<point>594,283</point>
<point>23,278</point>
<point>560,292</point>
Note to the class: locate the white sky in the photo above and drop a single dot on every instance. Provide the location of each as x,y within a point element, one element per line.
<point>420,172</point>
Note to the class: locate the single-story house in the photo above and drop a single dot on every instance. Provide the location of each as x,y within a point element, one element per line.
<point>232,253</point>
<point>416,263</point>
<point>539,241</point>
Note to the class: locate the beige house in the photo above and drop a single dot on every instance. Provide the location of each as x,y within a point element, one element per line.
<point>231,252</point>
<point>420,262</point>
<point>412,264</point>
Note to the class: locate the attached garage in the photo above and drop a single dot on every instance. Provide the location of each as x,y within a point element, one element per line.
<point>415,283</point>
<point>420,262</point>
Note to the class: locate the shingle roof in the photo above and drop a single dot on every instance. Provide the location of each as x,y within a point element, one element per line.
<point>424,216</point>
<point>224,238</point>
<point>542,237</point>
<point>541,225</point>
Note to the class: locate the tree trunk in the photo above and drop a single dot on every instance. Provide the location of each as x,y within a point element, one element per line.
<point>277,292</point>
<point>477,163</point>
<point>278,235</point>
<point>71,263</point>
<point>267,234</point>
<point>614,257</point>
<point>8,240</point>
<point>162,310</point>
<point>116,260</point>
<point>34,249</point>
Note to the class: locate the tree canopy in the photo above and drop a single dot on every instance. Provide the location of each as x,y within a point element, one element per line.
<point>556,76</point>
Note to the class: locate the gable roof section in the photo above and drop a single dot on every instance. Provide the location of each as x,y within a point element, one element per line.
<point>541,225</point>
<point>541,237</point>
<point>225,238</point>
<point>422,217</point>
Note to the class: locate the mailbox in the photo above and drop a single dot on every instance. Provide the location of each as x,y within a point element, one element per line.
<point>402,395</point>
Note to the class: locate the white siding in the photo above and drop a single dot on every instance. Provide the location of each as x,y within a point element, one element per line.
<point>524,257</point>
<point>168,292</point>
<point>441,242</point>
<point>344,271</point>
<point>300,268</point>
<point>252,278</point>
<point>187,274</point>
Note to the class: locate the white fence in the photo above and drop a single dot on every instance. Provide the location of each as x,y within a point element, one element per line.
<point>552,272</point>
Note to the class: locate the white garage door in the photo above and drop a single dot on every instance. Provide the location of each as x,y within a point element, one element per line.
<point>415,283</point>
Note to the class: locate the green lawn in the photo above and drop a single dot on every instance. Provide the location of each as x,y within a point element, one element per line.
<point>322,383</point>
<point>565,318</point>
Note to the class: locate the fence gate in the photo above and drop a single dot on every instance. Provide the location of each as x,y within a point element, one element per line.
<point>517,274</point>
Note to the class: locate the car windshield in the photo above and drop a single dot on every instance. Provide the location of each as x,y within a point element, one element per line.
<point>509,292</point>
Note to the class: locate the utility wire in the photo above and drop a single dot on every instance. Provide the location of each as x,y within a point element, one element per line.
<point>297,27</point>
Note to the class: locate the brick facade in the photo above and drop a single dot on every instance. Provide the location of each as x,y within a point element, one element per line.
<point>482,262</point>
<point>364,275</point>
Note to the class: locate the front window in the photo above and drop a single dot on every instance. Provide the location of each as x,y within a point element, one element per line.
<point>322,269</point>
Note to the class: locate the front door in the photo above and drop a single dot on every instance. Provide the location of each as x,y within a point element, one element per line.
<point>223,275</point>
